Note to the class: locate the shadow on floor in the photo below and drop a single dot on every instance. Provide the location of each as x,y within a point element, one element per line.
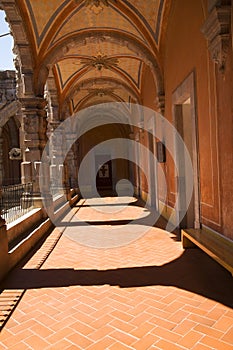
<point>152,219</point>
<point>192,271</point>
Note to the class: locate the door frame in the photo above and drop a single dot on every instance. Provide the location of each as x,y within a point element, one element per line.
<point>186,90</point>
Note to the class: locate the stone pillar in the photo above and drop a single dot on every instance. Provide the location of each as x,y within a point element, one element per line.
<point>34,132</point>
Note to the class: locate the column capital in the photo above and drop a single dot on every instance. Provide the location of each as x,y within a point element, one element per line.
<point>31,104</point>
<point>216,30</point>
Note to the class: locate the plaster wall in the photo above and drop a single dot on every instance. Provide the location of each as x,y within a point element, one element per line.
<point>186,52</point>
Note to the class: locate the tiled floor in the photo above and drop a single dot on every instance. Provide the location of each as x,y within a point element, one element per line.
<point>139,293</point>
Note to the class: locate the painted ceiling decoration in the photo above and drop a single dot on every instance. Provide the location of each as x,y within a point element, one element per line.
<point>97,5</point>
<point>94,50</point>
<point>100,61</point>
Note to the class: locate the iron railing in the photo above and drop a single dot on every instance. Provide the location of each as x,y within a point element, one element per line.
<point>15,201</point>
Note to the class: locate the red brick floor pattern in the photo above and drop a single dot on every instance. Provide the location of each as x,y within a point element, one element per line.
<point>149,294</point>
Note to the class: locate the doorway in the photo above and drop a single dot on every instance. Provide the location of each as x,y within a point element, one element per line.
<point>104,174</point>
<point>185,120</point>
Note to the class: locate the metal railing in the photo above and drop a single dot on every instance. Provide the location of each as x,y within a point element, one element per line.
<point>15,201</point>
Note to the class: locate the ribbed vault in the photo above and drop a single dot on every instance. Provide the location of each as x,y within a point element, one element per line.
<point>96,50</point>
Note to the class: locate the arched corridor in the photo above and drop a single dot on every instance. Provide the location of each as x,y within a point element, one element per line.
<point>116,159</point>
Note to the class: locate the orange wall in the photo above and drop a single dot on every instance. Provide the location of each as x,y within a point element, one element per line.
<point>186,51</point>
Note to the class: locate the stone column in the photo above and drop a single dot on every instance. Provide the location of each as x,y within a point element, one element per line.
<point>34,133</point>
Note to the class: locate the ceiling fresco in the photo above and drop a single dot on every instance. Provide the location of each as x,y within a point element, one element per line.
<point>93,42</point>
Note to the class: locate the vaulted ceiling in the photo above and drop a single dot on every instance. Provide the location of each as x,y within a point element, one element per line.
<point>96,50</point>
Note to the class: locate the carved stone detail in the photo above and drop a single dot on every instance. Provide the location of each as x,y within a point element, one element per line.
<point>34,124</point>
<point>160,103</point>
<point>217,31</point>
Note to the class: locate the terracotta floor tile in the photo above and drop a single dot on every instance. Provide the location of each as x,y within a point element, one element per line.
<point>141,318</point>
<point>189,301</point>
<point>60,345</point>
<point>184,327</point>
<point>138,309</point>
<point>142,330</point>
<point>79,340</point>
<point>199,319</point>
<point>101,333</point>
<point>124,338</point>
<point>104,311</point>
<point>145,342</point>
<point>166,334</point>
<point>119,346</point>
<point>81,327</point>
<point>215,343</point>
<point>228,313</point>
<point>138,296</point>
<point>14,339</point>
<point>190,339</point>
<point>60,335</point>
<point>199,346</point>
<point>216,313</point>
<point>122,325</point>
<point>100,322</point>
<point>178,316</point>
<point>74,347</point>
<point>41,330</point>
<point>208,331</point>
<point>20,345</point>
<point>167,345</point>
<point>195,310</point>
<point>122,315</point>
<point>101,344</point>
<point>228,337</point>
<point>36,343</point>
<point>174,306</point>
<point>24,325</point>
<point>58,325</point>
<point>158,321</point>
<point>223,324</point>
<point>82,317</point>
